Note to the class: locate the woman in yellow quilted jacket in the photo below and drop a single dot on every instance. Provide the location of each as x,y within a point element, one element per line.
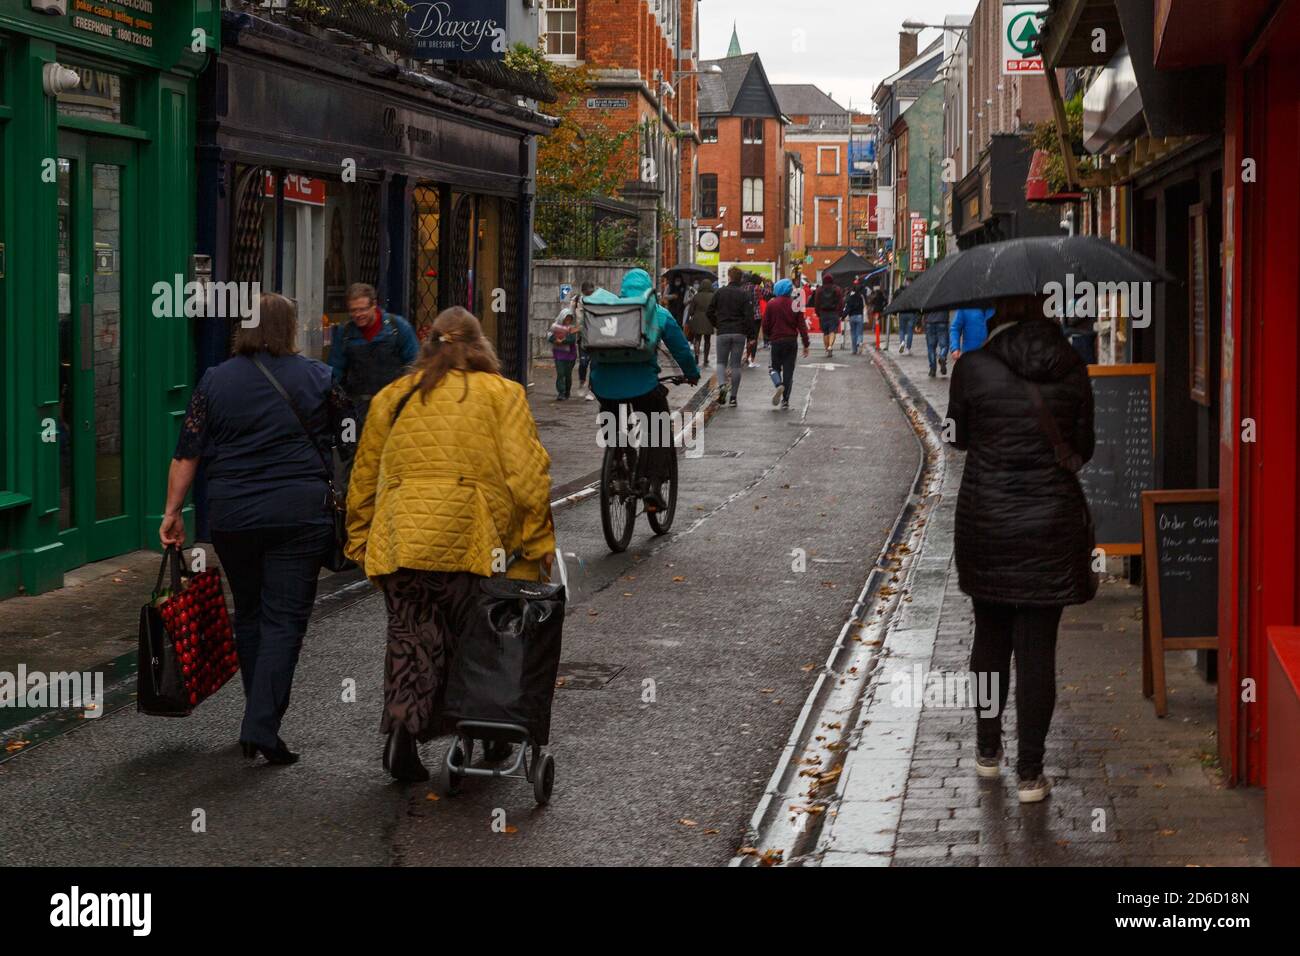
<point>450,478</point>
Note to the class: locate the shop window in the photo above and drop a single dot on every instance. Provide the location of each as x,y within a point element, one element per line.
<point>426,220</point>
<point>709,196</point>
<point>752,130</point>
<point>561,29</point>
<point>751,196</point>
<point>709,129</point>
<point>98,95</point>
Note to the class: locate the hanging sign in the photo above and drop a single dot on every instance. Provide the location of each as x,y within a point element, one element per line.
<point>1022,23</point>
<point>458,29</point>
<point>916,261</point>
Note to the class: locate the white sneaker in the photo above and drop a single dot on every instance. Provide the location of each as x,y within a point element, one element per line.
<point>589,397</point>
<point>989,766</point>
<point>1034,791</point>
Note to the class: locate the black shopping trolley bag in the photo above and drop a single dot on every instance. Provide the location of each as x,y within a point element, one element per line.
<point>505,661</point>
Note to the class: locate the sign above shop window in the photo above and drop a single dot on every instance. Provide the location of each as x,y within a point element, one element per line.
<point>297,188</point>
<point>458,29</point>
<point>128,21</point>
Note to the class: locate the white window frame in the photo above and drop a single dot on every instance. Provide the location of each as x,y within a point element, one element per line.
<point>820,151</point>
<point>751,197</point>
<point>560,6</point>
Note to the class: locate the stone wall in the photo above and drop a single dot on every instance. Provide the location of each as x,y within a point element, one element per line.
<point>544,298</point>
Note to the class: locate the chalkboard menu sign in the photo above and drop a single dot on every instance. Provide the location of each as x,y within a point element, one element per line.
<point>1123,465</point>
<point>1181,579</point>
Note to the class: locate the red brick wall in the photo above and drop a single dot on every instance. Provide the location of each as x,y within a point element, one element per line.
<point>723,158</point>
<point>823,185</point>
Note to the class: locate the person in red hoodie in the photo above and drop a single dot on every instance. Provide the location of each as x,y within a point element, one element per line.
<point>784,327</point>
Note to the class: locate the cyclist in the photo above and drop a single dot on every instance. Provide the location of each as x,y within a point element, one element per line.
<point>637,385</point>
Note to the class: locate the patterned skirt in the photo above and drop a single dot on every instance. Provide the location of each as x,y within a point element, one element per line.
<point>426,610</point>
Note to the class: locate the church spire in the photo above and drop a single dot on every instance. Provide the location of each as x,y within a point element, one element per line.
<point>734,49</point>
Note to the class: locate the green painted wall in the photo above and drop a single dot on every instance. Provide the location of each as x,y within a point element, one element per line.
<point>157,365</point>
<point>924,161</point>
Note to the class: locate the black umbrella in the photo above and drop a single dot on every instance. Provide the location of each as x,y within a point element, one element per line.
<point>690,272</point>
<point>1023,267</point>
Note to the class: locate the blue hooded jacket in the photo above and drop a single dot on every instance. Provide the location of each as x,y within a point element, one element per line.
<point>969,329</point>
<point>624,380</point>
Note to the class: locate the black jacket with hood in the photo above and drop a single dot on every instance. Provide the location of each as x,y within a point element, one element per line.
<point>1022,520</point>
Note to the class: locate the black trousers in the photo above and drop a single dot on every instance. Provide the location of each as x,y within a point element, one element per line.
<point>1028,633</point>
<point>784,354</point>
<point>653,461</point>
<point>272,574</point>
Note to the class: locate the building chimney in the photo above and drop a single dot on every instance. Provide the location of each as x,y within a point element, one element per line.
<point>906,48</point>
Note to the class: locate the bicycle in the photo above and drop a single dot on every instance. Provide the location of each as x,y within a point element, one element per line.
<point>622,487</point>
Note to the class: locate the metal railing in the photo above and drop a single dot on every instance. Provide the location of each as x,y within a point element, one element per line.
<point>592,228</point>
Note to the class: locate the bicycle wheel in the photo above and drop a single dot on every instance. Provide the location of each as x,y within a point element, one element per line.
<point>617,499</point>
<point>661,521</point>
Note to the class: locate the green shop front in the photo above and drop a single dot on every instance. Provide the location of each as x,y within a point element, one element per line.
<point>97,119</point>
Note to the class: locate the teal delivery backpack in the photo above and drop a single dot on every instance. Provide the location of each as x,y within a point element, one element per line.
<point>616,329</point>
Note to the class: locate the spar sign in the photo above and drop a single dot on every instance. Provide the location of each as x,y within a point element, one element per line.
<point>1021,25</point>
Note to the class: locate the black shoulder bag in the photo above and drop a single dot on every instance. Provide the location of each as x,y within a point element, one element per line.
<point>335,559</point>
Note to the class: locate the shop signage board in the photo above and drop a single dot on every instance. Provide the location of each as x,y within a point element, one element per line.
<point>458,29</point>
<point>158,32</point>
<point>1021,25</point>
<point>751,223</point>
<point>1180,532</point>
<point>916,260</point>
<point>297,188</point>
<point>1123,464</point>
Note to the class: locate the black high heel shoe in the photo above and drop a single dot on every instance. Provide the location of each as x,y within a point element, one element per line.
<point>402,758</point>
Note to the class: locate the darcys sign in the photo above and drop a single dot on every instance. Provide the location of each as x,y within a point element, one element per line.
<point>458,29</point>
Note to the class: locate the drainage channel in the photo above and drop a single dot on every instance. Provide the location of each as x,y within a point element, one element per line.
<point>785,826</point>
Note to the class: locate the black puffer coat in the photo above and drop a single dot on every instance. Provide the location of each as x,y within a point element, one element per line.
<point>1022,519</point>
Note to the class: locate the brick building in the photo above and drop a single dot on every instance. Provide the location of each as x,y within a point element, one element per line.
<point>748,178</point>
<point>819,132</point>
<point>644,58</point>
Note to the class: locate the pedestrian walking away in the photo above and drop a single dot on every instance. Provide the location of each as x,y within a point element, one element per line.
<point>784,328</point>
<point>371,349</point>
<point>936,341</point>
<point>464,479</point>
<point>584,357</point>
<point>732,315</point>
<point>968,331</point>
<point>855,306</point>
<point>699,325</point>
<point>829,303</point>
<point>906,327</point>
<point>1022,408</point>
<point>269,505</point>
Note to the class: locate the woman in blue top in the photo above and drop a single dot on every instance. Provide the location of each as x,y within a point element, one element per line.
<point>268,488</point>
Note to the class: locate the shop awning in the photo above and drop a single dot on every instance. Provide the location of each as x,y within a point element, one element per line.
<point>1037,188</point>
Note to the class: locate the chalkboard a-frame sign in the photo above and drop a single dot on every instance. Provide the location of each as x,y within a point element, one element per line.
<point>1123,463</point>
<point>1180,581</point>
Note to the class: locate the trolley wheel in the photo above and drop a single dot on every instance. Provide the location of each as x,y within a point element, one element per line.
<point>617,511</point>
<point>543,779</point>
<point>450,782</point>
<point>661,521</point>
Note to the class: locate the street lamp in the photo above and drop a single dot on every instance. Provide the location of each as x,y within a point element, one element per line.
<point>916,26</point>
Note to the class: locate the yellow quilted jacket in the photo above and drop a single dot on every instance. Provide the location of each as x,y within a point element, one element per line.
<point>451,481</point>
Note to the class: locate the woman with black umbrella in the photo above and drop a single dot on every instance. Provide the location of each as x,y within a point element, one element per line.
<point>1022,408</point>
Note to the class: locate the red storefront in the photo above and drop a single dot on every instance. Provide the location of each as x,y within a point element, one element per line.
<point>1257,42</point>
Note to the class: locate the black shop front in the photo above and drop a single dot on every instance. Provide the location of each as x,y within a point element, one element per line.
<point>321,165</point>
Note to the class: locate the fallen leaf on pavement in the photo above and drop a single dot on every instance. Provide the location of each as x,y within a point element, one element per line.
<point>687,823</point>
<point>772,857</point>
<point>679,578</point>
<point>711,832</point>
<point>432,796</point>
<point>807,667</point>
<point>510,828</point>
<point>767,690</point>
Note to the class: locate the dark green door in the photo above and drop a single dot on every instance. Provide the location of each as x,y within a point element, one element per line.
<point>99,323</point>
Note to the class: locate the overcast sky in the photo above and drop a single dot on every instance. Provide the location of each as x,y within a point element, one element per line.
<point>850,44</point>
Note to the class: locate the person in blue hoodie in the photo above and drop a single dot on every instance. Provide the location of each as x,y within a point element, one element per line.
<point>637,385</point>
<point>969,329</point>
